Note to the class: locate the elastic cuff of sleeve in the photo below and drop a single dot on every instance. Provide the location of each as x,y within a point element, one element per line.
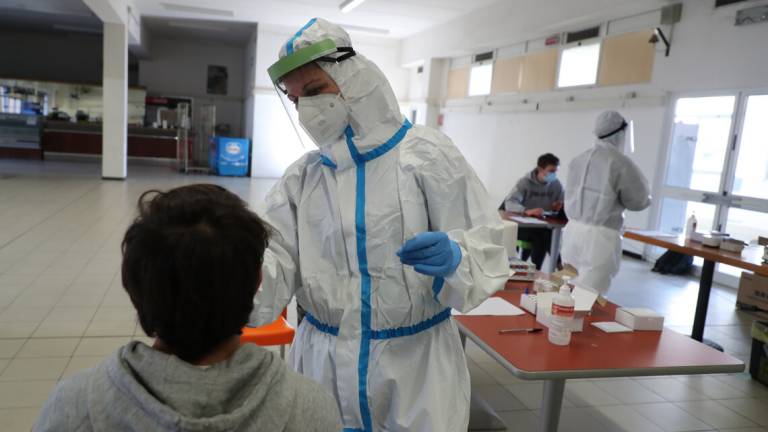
<point>456,253</point>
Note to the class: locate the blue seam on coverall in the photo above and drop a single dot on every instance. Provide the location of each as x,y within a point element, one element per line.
<point>389,333</point>
<point>325,160</point>
<point>289,45</point>
<point>362,260</point>
<point>323,327</point>
<point>414,329</point>
<point>437,286</point>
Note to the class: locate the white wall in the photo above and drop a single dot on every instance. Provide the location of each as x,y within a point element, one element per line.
<point>511,21</point>
<point>708,53</point>
<point>275,142</point>
<point>180,67</point>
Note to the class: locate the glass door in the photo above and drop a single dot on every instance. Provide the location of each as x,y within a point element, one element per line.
<point>717,168</point>
<point>697,161</point>
<point>745,214</point>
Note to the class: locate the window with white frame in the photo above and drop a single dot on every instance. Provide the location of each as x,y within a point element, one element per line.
<point>578,65</point>
<point>480,79</point>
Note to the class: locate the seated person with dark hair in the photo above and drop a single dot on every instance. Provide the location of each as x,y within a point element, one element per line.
<point>191,266</point>
<point>538,192</point>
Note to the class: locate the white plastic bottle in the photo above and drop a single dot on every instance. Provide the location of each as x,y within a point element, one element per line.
<point>690,226</point>
<point>562,315</point>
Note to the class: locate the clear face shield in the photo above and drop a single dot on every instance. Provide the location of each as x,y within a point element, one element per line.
<point>630,140</point>
<point>324,50</point>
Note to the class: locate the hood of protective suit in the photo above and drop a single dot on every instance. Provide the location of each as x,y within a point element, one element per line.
<point>374,113</point>
<point>614,125</point>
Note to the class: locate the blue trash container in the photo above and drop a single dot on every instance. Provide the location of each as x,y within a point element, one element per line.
<point>229,156</point>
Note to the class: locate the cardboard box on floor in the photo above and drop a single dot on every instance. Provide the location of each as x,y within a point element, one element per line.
<point>753,291</point>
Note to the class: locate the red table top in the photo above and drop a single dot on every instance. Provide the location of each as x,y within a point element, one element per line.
<point>592,353</point>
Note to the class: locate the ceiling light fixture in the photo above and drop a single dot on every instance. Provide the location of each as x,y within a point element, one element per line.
<point>347,5</point>
<point>197,10</point>
<point>361,29</point>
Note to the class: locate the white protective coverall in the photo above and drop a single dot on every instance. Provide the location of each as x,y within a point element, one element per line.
<point>602,182</point>
<point>377,334</point>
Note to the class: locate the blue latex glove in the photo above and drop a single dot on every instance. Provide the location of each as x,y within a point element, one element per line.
<point>431,253</point>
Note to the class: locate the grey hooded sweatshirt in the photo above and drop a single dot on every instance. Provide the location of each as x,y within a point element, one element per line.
<point>141,389</point>
<point>530,193</point>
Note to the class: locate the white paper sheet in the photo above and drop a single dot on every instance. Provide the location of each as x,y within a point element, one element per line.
<point>494,306</point>
<point>528,220</point>
<point>642,312</point>
<point>611,327</point>
<point>584,298</point>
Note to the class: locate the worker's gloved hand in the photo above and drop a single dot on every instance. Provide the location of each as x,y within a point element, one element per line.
<point>431,253</point>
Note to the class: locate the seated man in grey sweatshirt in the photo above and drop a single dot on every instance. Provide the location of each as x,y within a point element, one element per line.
<point>191,266</point>
<point>534,194</point>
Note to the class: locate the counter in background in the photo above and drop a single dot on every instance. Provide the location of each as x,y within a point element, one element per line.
<point>20,136</point>
<point>85,138</point>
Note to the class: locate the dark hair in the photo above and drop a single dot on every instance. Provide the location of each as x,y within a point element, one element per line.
<point>547,159</point>
<point>192,264</point>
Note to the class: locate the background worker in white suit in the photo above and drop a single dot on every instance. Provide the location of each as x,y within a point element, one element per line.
<point>602,183</point>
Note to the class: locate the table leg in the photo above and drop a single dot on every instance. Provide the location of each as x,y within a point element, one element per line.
<point>702,303</point>
<point>554,249</point>
<point>551,404</point>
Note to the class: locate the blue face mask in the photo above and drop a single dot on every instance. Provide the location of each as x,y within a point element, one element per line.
<point>550,177</point>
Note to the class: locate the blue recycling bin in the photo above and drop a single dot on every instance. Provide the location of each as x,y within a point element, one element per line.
<point>229,156</point>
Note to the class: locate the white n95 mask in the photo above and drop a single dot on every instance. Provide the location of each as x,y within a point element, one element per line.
<point>324,117</point>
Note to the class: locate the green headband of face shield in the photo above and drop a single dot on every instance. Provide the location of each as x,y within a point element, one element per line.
<point>319,51</point>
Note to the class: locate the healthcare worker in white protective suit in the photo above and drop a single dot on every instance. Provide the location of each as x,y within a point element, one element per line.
<point>378,235</point>
<point>602,183</point>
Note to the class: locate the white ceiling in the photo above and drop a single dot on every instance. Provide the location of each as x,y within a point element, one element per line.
<point>400,18</point>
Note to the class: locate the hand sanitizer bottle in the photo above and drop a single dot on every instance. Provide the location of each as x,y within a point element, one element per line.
<point>562,315</point>
<point>690,226</point>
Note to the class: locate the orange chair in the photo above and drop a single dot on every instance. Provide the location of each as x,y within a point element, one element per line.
<point>278,332</point>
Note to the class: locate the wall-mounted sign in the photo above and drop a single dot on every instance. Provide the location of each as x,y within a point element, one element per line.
<point>217,80</point>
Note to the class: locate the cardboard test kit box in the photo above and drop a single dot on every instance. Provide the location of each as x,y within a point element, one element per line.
<point>753,291</point>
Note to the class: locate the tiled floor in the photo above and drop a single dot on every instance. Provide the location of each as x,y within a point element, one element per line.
<point>62,309</point>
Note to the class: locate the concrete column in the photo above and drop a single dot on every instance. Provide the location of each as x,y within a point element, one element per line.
<point>115,87</point>
<point>437,76</point>
<point>426,91</point>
